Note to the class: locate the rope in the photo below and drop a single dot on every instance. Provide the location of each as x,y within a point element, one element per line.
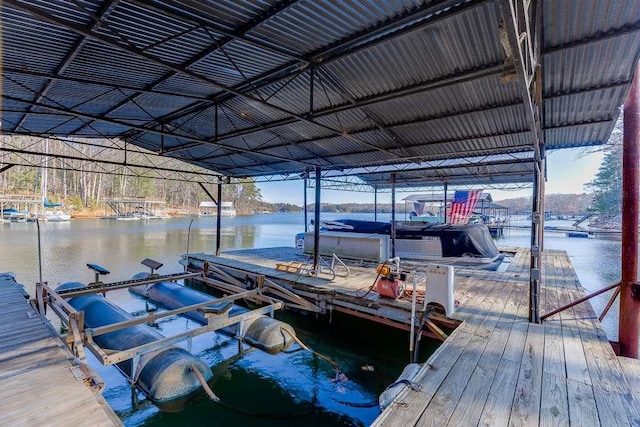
<point>306,412</point>
<point>373,285</point>
<point>204,384</point>
<point>217,400</point>
<point>301,344</point>
<point>412,385</point>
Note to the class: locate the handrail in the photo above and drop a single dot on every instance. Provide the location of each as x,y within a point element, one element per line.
<point>580,300</point>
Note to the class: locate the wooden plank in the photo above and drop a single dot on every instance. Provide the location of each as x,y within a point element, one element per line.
<point>475,394</point>
<point>498,405</point>
<point>439,410</point>
<point>526,404</point>
<point>554,404</point>
<point>411,403</point>
<point>631,373</point>
<point>450,352</point>
<point>502,389</point>
<point>582,404</point>
<point>606,374</point>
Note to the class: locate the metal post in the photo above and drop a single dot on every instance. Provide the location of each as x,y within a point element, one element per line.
<point>446,188</point>
<point>316,223</point>
<point>630,289</point>
<point>393,215</point>
<point>375,203</point>
<point>219,219</point>
<point>534,271</point>
<point>304,194</point>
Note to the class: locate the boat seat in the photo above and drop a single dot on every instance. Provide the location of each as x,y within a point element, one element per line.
<point>98,269</point>
<point>153,265</point>
<point>216,309</point>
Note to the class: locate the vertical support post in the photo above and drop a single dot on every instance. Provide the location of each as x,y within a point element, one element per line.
<point>541,205</point>
<point>304,193</point>
<point>316,223</point>
<point>630,289</point>
<point>446,188</point>
<point>219,219</point>
<point>393,215</point>
<point>534,271</point>
<point>375,203</point>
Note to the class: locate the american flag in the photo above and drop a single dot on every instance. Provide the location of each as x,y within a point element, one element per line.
<point>464,201</point>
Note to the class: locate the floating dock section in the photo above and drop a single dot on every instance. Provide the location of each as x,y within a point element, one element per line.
<point>39,382</point>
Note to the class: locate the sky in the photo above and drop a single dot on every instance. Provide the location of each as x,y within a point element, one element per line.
<point>567,172</point>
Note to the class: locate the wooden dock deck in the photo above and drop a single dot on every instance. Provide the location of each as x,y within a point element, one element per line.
<point>39,385</point>
<point>351,294</point>
<point>498,369</point>
<point>495,368</point>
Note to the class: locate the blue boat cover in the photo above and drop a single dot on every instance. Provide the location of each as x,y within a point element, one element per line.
<point>48,204</point>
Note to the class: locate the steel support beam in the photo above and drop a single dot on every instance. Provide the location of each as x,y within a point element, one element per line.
<point>446,189</point>
<point>375,203</point>
<point>439,83</point>
<point>393,215</point>
<point>219,220</point>
<point>316,222</point>
<point>630,288</point>
<point>534,271</point>
<point>304,201</point>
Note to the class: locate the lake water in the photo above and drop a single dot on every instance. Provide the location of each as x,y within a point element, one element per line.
<point>291,388</point>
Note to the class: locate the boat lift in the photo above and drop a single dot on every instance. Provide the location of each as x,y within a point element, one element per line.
<point>80,337</point>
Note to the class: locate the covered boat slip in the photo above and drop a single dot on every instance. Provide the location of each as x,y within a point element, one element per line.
<point>39,385</point>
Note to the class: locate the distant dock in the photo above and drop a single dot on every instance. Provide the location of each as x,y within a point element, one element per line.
<point>39,384</point>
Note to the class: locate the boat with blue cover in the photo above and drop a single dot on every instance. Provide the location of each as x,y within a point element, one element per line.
<point>466,245</point>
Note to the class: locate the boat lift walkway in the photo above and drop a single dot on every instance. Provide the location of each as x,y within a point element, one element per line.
<point>39,384</point>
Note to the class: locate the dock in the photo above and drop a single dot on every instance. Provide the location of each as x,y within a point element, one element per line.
<point>495,368</point>
<point>39,382</point>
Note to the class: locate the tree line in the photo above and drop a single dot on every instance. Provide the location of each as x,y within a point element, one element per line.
<point>82,184</point>
<point>75,176</point>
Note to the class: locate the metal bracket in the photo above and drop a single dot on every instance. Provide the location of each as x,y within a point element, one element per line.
<point>535,274</point>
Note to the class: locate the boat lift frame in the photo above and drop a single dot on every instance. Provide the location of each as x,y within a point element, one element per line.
<point>79,336</point>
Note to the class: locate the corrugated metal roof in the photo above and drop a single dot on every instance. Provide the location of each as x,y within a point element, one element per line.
<point>259,87</point>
